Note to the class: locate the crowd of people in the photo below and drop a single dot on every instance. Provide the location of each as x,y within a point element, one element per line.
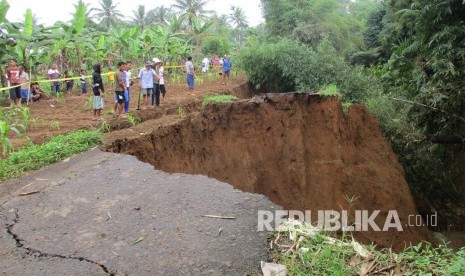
<point>151,81</point>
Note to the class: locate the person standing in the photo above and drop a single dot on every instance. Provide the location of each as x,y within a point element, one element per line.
<point>99,90</point>
<point>120,87</point>
<point>24,79</point>
<point>14,72</point>
<point>83,82</point>
<point>54,74</point>
<point>69,83</point>
<point>146,82</point>
<point>227,64</point>
<point>161,72</point>
<point>123,74</point>
<point>127,93</point>
<point>190,73</point>
<point>156,83</point>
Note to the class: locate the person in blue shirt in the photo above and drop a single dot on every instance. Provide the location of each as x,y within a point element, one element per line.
<point>227,64</point>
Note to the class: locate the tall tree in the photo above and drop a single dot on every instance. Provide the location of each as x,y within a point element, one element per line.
<point>237,17</point>
<point>108,13</point>
<point>89,10</point>
<point>87,7</point>
<point>141,18</point>
<point>192,11</point>
<point>162,15</point>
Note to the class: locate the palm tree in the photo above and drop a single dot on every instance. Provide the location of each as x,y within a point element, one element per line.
<point>192,11</point>
<point>221,24</point>
<point>35,20</point>
<point>162,15</point>
<point>108,13</point>
<point>141,18</point>
<point>237,17</point>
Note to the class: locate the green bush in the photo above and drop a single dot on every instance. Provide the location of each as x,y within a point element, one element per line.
<point>216,45</point>
<point>286,66</point>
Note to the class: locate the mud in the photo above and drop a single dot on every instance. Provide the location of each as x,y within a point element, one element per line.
<point>301,151</point>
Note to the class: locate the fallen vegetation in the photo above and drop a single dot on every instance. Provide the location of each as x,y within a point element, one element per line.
<point>306,250</point>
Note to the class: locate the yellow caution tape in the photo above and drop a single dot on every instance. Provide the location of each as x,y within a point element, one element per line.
<point>50,80</point>
<point>85,77</point>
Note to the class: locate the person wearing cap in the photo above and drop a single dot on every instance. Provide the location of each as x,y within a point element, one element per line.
<point>156,83</point>
<point>146,79</point>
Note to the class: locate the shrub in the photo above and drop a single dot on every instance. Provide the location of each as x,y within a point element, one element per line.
<point>58,148</point>
<point>287,66</point>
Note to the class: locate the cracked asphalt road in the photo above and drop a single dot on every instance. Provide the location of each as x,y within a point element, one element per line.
<point>108,214</point>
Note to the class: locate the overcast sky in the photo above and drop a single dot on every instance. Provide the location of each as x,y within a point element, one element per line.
<point>50,11</point>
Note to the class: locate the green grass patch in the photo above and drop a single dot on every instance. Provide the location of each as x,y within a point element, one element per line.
<point>306,251</point>
<point>330,90</point>
<point>34,157</point>
<point>217,99</point>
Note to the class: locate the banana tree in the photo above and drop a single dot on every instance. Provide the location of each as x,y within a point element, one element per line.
<point>199,31</point>
<point>25,37</point>
<point>7,43</point>
<point>170,43</point>
<point>73,40</point>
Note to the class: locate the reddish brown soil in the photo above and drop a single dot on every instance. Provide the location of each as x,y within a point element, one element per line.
<point>300,150</point>
<point>71,114</point>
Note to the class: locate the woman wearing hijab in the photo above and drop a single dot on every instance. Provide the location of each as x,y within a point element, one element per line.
<point>98,89</point>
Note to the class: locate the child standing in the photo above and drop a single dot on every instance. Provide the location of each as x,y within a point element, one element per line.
<point>69,83</point>
<point>83,82</point>
<point>98,90</point>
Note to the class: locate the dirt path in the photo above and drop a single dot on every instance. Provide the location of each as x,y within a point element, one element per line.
<point>91,210</point>
<point>73,114</point>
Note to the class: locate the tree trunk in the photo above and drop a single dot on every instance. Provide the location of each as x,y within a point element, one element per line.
<point>79,56</point>
<point>2,76</point>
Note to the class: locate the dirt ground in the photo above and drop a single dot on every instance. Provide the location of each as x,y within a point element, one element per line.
<point>301,151</point>
<point>72,115</point>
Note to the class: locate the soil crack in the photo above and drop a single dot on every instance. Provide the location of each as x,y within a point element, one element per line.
<point>38,253</point>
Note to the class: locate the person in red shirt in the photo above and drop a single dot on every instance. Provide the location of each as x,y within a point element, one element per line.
<point>14,72</point>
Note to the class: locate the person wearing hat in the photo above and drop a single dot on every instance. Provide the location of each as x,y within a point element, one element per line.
<point>146,79</point>
<point>156,83</point>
